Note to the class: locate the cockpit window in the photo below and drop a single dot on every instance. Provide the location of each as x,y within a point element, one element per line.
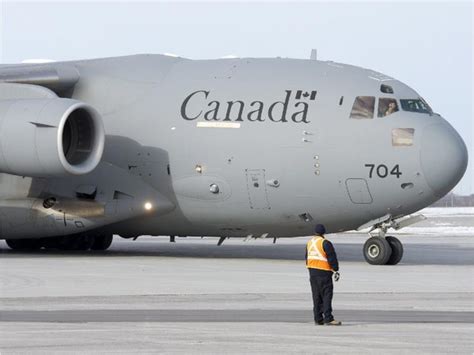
<point>415,105</point>
<point>386,89</point>
<point>387,107</point>
<point>363,107</point>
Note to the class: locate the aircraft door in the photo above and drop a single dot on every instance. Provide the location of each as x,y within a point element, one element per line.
<point>257,189</point>
<point>358,191</point>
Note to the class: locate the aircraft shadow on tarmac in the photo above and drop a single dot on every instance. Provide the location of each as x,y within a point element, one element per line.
<point>415,254</point>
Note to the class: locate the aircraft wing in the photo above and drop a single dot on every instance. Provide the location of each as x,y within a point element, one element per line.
<point>54,76</point>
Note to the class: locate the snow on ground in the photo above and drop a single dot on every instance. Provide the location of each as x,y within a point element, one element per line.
<point>447,211</point>
<point>453,231</point>
<point>444,221</point>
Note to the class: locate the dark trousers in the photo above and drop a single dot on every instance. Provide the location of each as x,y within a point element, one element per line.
<point>322,289</point>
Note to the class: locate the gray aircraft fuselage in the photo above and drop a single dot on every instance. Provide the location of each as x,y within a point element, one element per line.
<point>237,147</point>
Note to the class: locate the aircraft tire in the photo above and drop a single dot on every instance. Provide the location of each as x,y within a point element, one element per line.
<point>397,250</point>
<point>23,244</point>
<point>76,242</point>
<point>377,251</point>
<point>102,242</point>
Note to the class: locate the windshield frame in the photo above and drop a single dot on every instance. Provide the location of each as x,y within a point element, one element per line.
<point>421,106</point>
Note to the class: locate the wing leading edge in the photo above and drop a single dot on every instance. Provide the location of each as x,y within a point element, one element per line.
<point>56,77</point>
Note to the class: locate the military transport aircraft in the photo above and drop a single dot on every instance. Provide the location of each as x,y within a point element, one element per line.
<point>254,148</point>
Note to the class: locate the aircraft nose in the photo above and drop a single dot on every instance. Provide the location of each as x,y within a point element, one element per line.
<point>443,157</point>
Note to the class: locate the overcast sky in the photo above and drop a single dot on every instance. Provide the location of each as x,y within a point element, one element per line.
<point>427,45</point>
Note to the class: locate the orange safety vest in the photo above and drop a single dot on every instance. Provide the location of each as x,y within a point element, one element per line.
<point>317,258</point>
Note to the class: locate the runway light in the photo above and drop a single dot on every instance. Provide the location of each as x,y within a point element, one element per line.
<point>148,206</point>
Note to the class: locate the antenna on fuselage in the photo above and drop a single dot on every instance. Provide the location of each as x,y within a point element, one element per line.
<point>314,54</point>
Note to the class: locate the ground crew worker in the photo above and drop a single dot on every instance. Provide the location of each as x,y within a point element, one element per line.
<point>321,261</point>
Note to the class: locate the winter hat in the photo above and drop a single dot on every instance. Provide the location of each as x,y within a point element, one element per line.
<point>320,229</point>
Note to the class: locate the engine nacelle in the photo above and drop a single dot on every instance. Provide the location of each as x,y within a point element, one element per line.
<point>49,137</point>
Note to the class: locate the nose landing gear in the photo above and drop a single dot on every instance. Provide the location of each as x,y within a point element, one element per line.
<point>397,250</point>
<point>377,251</point>
<point>382,249</point>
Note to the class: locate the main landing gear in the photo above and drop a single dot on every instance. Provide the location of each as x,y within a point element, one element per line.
<point>82,242</point>
<point>24,244</point>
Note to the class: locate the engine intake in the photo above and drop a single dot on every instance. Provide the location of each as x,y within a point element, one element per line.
<point>49,137</point>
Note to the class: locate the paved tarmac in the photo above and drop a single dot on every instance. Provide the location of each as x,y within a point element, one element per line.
<point>151,296</point>
<point>231,315</point>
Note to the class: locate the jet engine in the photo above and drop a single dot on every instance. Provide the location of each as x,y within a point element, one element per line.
<point>49,137</point>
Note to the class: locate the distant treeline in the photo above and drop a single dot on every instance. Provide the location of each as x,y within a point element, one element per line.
<point>453,200</point>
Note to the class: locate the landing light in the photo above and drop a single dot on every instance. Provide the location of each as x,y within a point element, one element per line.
<point>148,206</point>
